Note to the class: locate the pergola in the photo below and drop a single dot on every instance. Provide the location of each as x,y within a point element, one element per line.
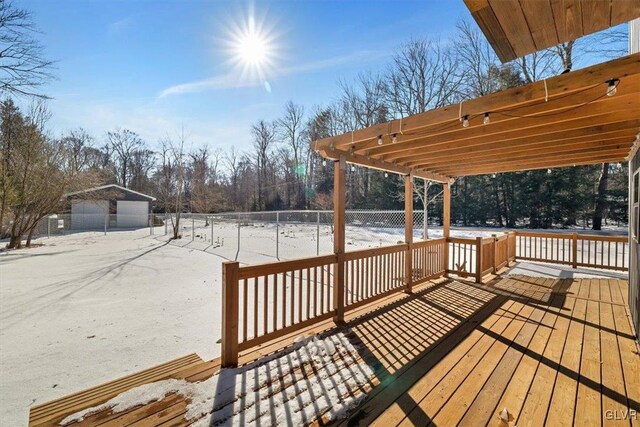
<point>583,117</point>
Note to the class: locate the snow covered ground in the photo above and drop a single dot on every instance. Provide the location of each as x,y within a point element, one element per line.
<point>86,308</point>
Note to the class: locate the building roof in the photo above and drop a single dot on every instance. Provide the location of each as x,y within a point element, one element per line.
<point>110,186</point>
<point>562,121</point>
<point>516,28</point>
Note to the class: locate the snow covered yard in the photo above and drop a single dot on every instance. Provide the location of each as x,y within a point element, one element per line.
<point>87,308</point>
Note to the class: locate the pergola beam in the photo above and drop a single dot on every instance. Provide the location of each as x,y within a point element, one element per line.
<point>615,145</point>
<point>520,167</point>
<point>578,136</point>
<point>547,112</point>
<point>626,108</point>
<point>383,166</point>
<point>531,93</point>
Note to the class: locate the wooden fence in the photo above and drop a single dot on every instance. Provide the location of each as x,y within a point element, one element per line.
<point>264,302</point>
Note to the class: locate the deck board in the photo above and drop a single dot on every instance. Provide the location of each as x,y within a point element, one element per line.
<point>454,352</point>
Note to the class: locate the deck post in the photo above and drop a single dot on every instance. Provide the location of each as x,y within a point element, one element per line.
<point>230,271</point>
<point>574,250</point>
<point>495,253</point>
<point>408,230</point>
<point>339,219</point>
<point>446,222</point>
<point>478,259</point>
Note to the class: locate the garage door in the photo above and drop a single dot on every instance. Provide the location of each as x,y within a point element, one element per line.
<point>88,214</point>
<point>132,214</point>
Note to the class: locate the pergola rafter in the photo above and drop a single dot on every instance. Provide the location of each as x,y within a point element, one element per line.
<point>565,120</point>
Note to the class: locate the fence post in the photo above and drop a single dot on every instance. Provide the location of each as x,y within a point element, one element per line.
<point>318,234</point>
<point>193,228</point>
<point>278,235</point>
<point>478,259</point>
<point>150,221</point>
<point>166,224</point>
<point>574,251</point>
<point>212,230</point>
<point>48,226</point>
<point>106,220</point>
<point>230,304</point>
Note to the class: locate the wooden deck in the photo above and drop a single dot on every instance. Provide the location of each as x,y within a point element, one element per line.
<point>554,352</point>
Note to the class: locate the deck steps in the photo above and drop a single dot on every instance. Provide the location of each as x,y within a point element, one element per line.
<point>52,412</point>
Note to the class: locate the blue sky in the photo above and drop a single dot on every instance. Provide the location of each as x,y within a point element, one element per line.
<point>116,59</point>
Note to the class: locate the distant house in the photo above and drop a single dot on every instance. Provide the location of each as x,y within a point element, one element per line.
<point>109,206</point>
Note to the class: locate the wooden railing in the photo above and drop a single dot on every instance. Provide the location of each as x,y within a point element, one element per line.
<point>372,273</point>
<point>577,250</point>
<point>481,256</point>
<point>428,259</point>
<point>546,247</point>
<point>462,256</point>
<point>264,302</point>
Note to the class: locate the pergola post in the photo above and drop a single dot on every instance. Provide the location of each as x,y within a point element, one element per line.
<point>339,219</point>
<point>408,229</point>
<point>446,222</point>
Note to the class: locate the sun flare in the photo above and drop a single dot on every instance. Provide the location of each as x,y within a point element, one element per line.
<point>253,49</point>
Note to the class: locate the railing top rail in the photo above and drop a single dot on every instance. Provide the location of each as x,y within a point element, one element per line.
<point>365,253</point>
<point>424,243</point>
<point>251,271</point>
<point>544,234</point>
<point>622,239</point>
<point>569,235</point>
<point>461,240</point>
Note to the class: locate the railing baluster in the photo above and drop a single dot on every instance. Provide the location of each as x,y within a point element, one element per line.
<point>244,309</point>
<point>275,302</point>
<point>265,309</point>
<point>322,309</point>
<point>284,300</point>
<point>308,293</point>
<point>315,291</point>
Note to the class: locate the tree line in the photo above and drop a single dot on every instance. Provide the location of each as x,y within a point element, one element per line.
<point>281,171</point>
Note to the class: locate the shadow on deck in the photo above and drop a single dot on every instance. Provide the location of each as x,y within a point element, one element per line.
<point>452,352</point>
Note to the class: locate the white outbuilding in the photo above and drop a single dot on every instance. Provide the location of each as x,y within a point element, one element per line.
<point>110,206</point>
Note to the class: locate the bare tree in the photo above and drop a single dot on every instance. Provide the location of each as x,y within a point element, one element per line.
<point>79,146</point>
<point>291,128</point>
<point>539,65</point>
<point>263,138</point>
<point>124,143</point>
<point>233,164</point>
<point>217,157</point>
<point>170,179</point>
<point>23,67</point>
<point>422,76</point>
<point>142,163</point>
<point>204,198</point>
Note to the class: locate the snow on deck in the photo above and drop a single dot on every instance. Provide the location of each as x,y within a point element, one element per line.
<point>274,391</point>
<point>557,271</point>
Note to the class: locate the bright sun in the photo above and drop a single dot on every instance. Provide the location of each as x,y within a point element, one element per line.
<point>253,50</point>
